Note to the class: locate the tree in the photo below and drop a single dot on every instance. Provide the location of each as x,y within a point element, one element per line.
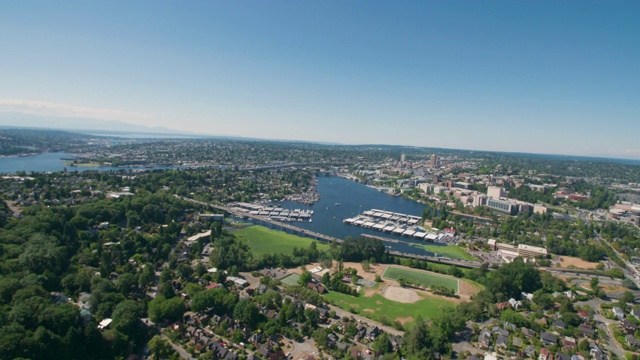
<point>246,312</point>
<point>126,317</point>
<point>321,337</point>
<point>382,345</point>
<point>583,346</point>
<point>161,349</point>
<point>219,299</point>
<point>366,266</point>
<point>305,278</point>
<point>161,309</point>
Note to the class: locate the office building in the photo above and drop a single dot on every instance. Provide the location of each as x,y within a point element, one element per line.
<point>505,206</point>
<point>495,192</point>
<point>434,161</point>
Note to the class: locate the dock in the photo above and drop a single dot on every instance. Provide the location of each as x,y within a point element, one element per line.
<point>391,222</point>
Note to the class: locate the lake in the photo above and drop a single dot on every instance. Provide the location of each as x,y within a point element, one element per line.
<point>355,198</point>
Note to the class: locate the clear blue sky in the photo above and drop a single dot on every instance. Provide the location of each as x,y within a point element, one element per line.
<point>531,76</point>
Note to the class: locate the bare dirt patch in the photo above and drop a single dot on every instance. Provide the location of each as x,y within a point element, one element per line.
<point>404,320</point>
<point>466,290</point>
<point>378,302</point>
<point>368,310</point>
<point>367,275</point>
<point>567,262</point>
<point>399,294</point>
<point>369,292</point>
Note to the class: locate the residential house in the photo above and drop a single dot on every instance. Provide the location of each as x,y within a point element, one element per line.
<point>372,332</point>
<point>617,312</point>
<point>587,330</point>
<point>569,343</point>
<point>319,288</point>
<point>517,342</point>
<point>502,342</point>
<point>583,314</point>
<point>484,340</point>
<point>635,313</point>
<point>632,341</point>
<point>548,339</point>
<point>528,333</point>
<point>500,331</point>
<point>562,356</point>
<point>629,327</point>
<point>597,354</point>
<point>559,324</point>
<point>530,351</point>
<point>544,354</point>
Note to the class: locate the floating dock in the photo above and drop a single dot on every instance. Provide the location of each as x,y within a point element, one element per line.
<point>391,222</point>
<point>271,212</point>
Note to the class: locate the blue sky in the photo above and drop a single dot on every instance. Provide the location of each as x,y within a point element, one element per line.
<point>530,76</point>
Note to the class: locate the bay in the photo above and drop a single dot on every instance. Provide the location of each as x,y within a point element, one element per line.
<point>51,162</point>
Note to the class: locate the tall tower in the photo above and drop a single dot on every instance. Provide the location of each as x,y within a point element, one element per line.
<point>403,158</point>
<point>434,160</point>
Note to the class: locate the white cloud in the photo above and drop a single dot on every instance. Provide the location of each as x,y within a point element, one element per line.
<point>45,108</point>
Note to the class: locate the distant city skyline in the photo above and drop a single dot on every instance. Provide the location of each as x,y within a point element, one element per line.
<point>531,76</point>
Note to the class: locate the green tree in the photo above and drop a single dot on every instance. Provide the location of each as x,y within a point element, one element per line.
<point>161,349</point>
<point>126,317</point>
<point>246,312</point>
<point>305,278</point>
<point>161,309</point>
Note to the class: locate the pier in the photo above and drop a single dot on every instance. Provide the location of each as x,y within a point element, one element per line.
<point>394,223</point>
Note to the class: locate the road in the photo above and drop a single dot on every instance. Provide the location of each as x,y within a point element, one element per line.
<point>183,353</point>
<point>341,313</point>
<point>630,269</point>
<point>604,325</point>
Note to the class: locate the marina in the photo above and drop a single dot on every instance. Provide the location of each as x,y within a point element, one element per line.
<point>272,212</point>
<point>396,224</point>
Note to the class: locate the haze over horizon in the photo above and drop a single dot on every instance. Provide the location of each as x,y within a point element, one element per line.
<point>536,77</point>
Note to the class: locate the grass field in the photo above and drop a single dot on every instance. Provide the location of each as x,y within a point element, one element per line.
<point>423,278</point>
<point>291,280</point>
<point>451,251</point>
<point>381,309</point>
<point>263,240</point>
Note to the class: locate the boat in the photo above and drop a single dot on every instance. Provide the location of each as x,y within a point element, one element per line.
<point>337,204</point>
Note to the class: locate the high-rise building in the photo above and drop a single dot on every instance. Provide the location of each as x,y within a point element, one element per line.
<point>434,160</point>
<point>403,158</point>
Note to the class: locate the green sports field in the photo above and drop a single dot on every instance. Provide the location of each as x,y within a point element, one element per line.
<point>379,308</point>
<point>291,280</point>
<point>451,251</point>
<point>423,278</point>
<point>263,240</point>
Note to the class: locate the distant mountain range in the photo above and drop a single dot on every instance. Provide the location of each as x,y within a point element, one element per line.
<point>82,125</point>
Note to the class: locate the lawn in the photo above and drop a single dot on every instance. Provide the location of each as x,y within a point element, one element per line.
<point>381,309</point>
<point>450,251</point>
<point>423,278</point>
<point>263,240</point>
